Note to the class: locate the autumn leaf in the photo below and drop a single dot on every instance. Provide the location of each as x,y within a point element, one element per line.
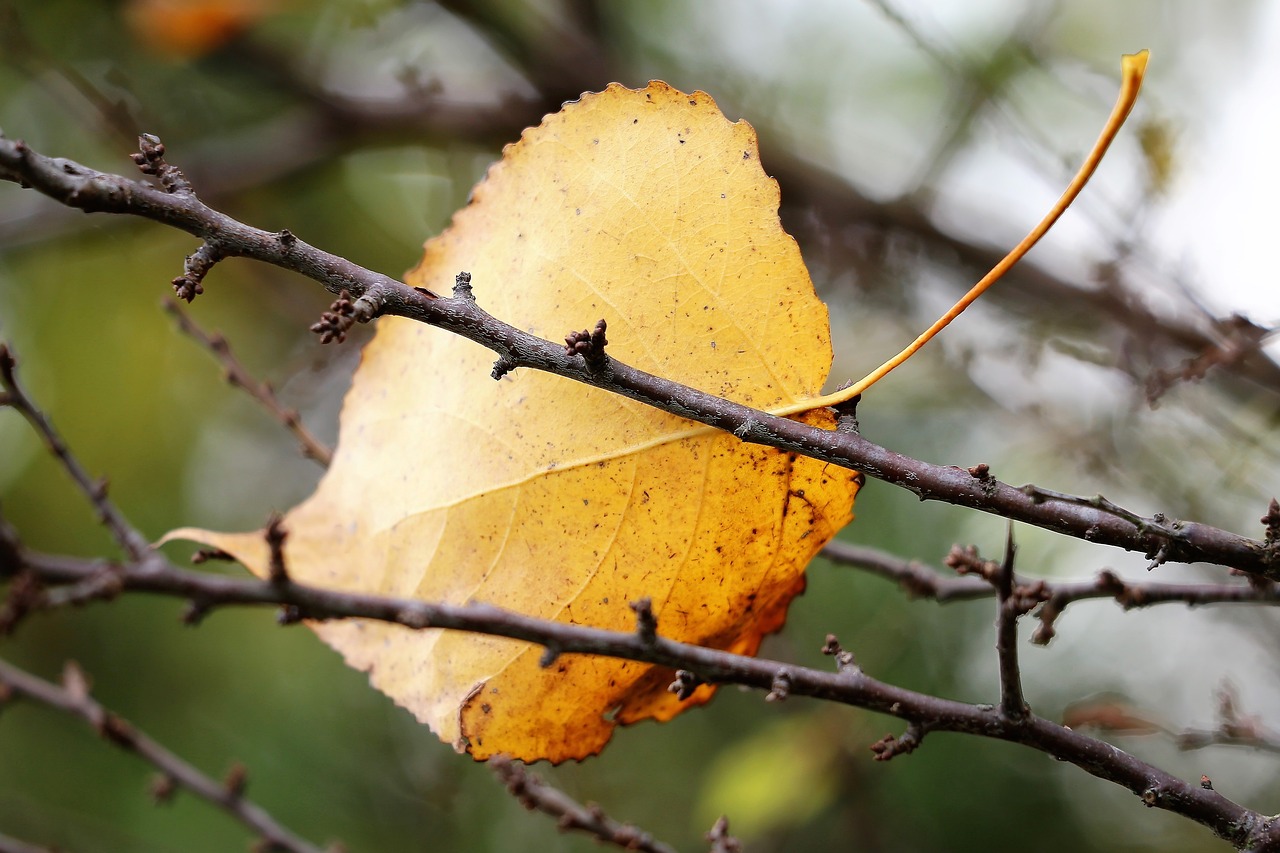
<point>190,29</point>
<point>649,209</point>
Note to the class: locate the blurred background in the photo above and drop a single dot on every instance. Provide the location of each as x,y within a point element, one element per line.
<point>914,143</point>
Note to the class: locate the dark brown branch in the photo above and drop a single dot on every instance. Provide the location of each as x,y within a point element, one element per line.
<point>919,581</point>
<point>73,698</point>
<point>376,294</point>
<point>536,795</point>
<point>237,376</point>
<point>133,543</point>
<point>1013,705</point>
<point>848,685</point>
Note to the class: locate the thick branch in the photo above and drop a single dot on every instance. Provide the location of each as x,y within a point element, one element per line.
<point>848,685</point>
<point>1093,519</point>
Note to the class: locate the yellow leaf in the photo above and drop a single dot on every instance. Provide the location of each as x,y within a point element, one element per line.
<point>647,208</point>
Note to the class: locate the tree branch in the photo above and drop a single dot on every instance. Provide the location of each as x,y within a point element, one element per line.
<point>133,543</point>
<point>848,685</point>
<point>73,698</point>
<point>536,795</point>
<point>1053,598</point>
<point>262,392</point>
<point>376,294</point>
<point>1013,705</point>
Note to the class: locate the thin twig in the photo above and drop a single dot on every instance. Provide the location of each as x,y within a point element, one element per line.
<point>919,581</point>
<point>535,794</point>
<point>237,376</point>
<point>133,543</point>
<point>375,294</point>
<point>1013,704</point>
<point>73,698</point>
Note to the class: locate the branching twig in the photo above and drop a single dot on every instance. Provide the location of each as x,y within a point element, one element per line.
<point>848,685</point>
<point>535,794</point>
<point>376,294</point>
<point>1052,597</point>
<point>73,697</point>
<point>238,377</point>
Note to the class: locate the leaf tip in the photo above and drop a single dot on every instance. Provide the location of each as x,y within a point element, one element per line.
<point>1135,64</point>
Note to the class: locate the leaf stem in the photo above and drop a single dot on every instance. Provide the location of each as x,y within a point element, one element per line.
<point>1133,67</point>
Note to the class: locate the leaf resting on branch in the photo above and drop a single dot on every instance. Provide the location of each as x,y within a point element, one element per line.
<point>649,209</point>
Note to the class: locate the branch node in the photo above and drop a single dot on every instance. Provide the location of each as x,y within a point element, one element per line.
<point>1206,783</point>
<point>26,594</point>
<point>889,747</point>
<point>720,839</point>
<point>335,322</point>
<point>413,617</point>
<point>195,611</point>
<point>275,534</point>
<point>646,622</point>
<point>549,655</point>
<point>504,365</point>
<point>847,416</point>
<point>75,681</point>
<point>150,161</point>
<point>684,685</point>
<point>1271,540</point>
<point>1151,797</point>
<point>236,780</point>
<point>162,789</point>
<point>290,614</point>
<point>781,687</point>
<point>589,345</point>
<point>287,238</point>
<point>845,661</point>
<point>462,287</point>
<point>195,267</point>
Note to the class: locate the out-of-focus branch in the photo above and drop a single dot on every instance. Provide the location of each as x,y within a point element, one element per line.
<point>536,795</point>
<point>1235,728</point>
<point>720,839</point>
<point>238,377</point>
<point>919,581</point>
<point>365,294</point>
<point>133,543</point>
<point>73,697</point>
